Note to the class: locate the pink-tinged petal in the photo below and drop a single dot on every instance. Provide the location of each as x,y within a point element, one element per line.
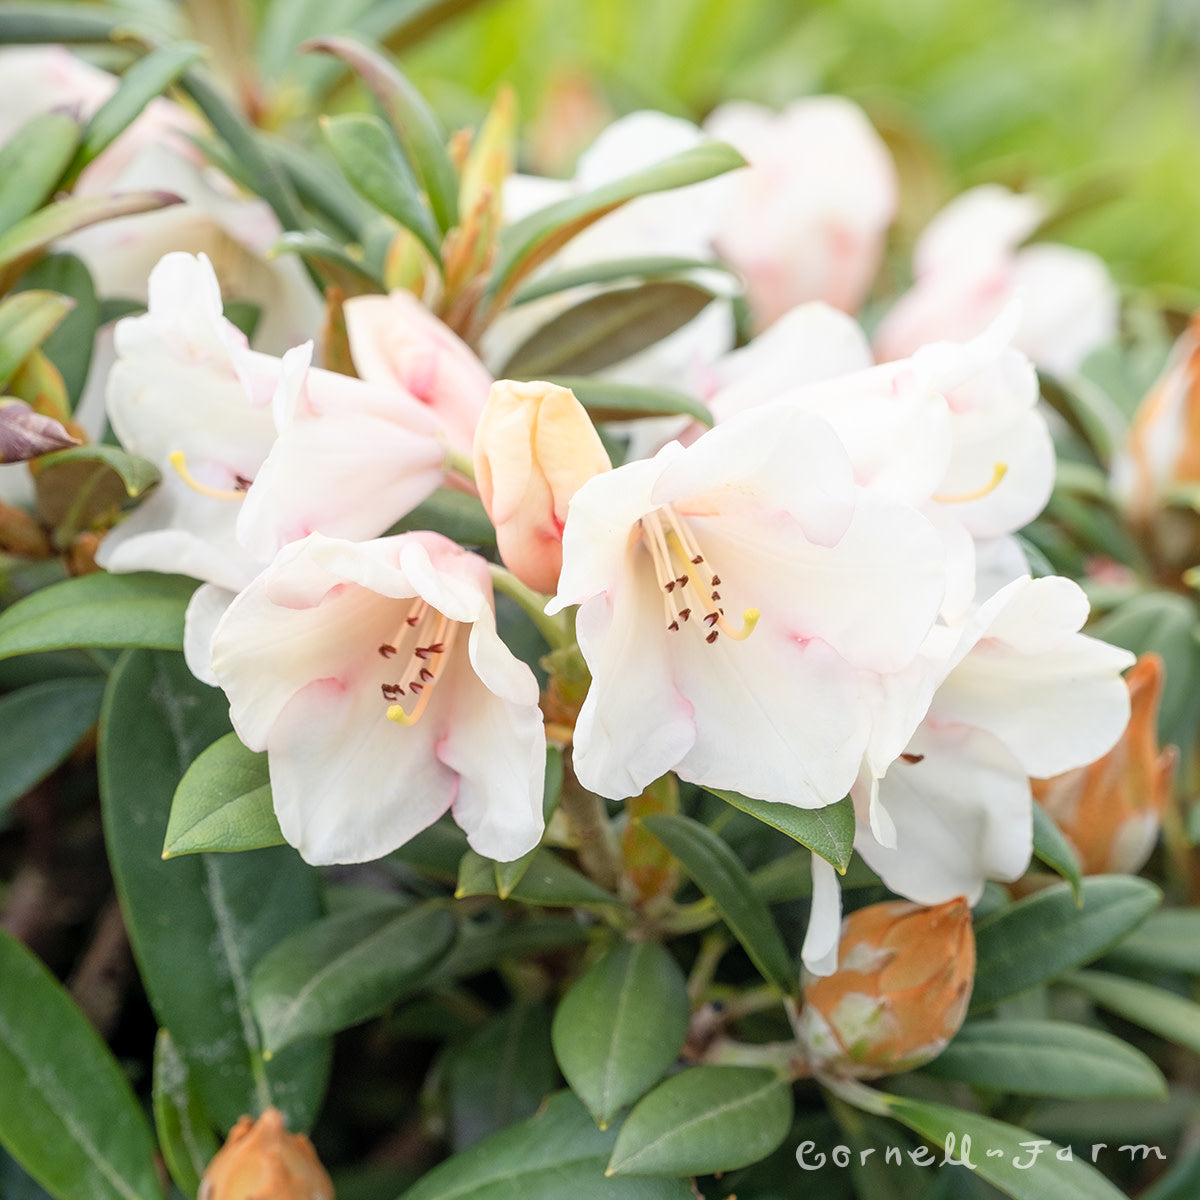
<point>1053,696</point>
<point>348,784</point>
<point>808,344</point>
<point>982,224</point>
<point>495,740</point>
<point>820,950</point>
<point>204,612</point>
<point>963,814</point>
<point>771,458</point>
<point>635,725</point>
<point>396,342</point>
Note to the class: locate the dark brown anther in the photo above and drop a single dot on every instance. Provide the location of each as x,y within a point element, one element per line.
<point>669,587</point>
<point>716,581</point>
<point>422,652</point>
<point>716,595</point>
<point>682,581</point>
<point>710,619</point>
<point>712,637</point>
<point>426,675</point>
<point>913,758</point>
<point>684,613</point>
<point>241,483</point>
<point>386,651</point>
<point>698,559</point>
<point>391,691</point>
<point>416,688</point>
<point>436,648</point>
<point>411,620</point>
<point>673,627</point>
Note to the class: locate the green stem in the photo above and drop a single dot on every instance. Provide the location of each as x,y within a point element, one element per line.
<point>556,630</point>
<point>599,850</point>
<point>461,463</point>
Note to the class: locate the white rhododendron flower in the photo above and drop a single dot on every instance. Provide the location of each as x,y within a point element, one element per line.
<point>730,597</point>
<point>970,262</point>
<point>808,220</point>
<point>372,675</point>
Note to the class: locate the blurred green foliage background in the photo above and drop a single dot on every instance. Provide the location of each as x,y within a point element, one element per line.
<point>1096,103</point>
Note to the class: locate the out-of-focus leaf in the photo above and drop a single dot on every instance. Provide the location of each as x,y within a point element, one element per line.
<point>40,23</point>
<point>1166,941</point>
<point>500,1075</point>
<point>1047,1058</point>
<point>528,243</point>
<point>1181,1182</point>
<point>69,347</point>
<point>343,266</point>
<point>81,484</point>
<point>1046,934</point>
<point>1049,1178</point>
<point>606,329</point>
<point>619,270</point>
<point>26,320</point>
<point>1170,1016</point>
<point>147,78</point>
<point>67,1113</point>
<point>410,116</point>
<point>199,925</point>
<point>456,514</point>
<point>184,1131</point>
<point>436,851</point>
<point>371,161</point>
<point>703,1120</point>
<point>556,1154</point>
<point>1052,848</point>
<point>223,802</point>
<point>547,880</point>
<point>607,401</point>
<point>42,724</point>
<point>827,831</point>
<point>483,943</point>
<point>28,237</point>
<point>32,162</point>
<point>345,969</point>
<point>621,1026</point>
<point>718,872</point>
<point>139,609</point>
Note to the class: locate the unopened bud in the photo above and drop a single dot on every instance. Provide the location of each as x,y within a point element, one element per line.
<point>535,447</point>
<point>262,1161</point>
<point>25,434</point>
<point>1111,809</point>
<point>899,994</point>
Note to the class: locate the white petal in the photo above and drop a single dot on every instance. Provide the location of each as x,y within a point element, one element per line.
<point>205,609</point>
<point>823,936</point>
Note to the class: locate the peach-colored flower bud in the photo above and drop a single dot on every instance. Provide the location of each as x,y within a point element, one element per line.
<point>900,991</point>
<point>262,1161</point>
<point>1110,810</point>
<point>534,449</point>
<point>1162,448</point>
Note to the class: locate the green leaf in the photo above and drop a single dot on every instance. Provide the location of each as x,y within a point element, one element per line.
<point>80,484</point>
<point>28,237</point>
<point>41,22</point>
<point>412,119</point>
<point>67,1113</point>
<point>1045,934</point>
<point>149,77</point>
<point>717,872</point>
<point>199,925</point>
<point>606,329</point>
<point>1049,1178</point>
<point>371,161</point>
<point>1167,941</point>
<point>500,1075</point>
<point>1052,848</point>
<point>1047,1058</point>
<point>528,243</point>
<point>69,347</point>
<point>789,877</point>
<point>1181,1182</point>
<point>32,162</point>
<point>827,831</point>
<point>345,969</point>
<point>42,724</point>
<point>26,320</point>
<point>223,802</point>
<point>1170,1016</point>
<point>703,1120</point>
<point>184,1130</point>
<point>616,270</point>
<point>556,1154</point>
<point>621,1026</point>
<point>455,514</point>
<point>607,401</point>
<point>345,266</point>
<point>547,880</point>
<point>140,609</point>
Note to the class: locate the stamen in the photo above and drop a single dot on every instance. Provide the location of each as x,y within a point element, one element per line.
<point>998,473</point>
<point>178,460</point>
<point>430,634</point>
<point>386,651</point>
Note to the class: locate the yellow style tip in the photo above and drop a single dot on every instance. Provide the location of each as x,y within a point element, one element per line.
<point>397,714</point>
<point>998,473</point>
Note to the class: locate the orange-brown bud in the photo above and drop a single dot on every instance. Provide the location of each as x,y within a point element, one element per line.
<point>535,447</point>
<point>899,994</point>
<point>1110,810</point>
<point>262,1161</point>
